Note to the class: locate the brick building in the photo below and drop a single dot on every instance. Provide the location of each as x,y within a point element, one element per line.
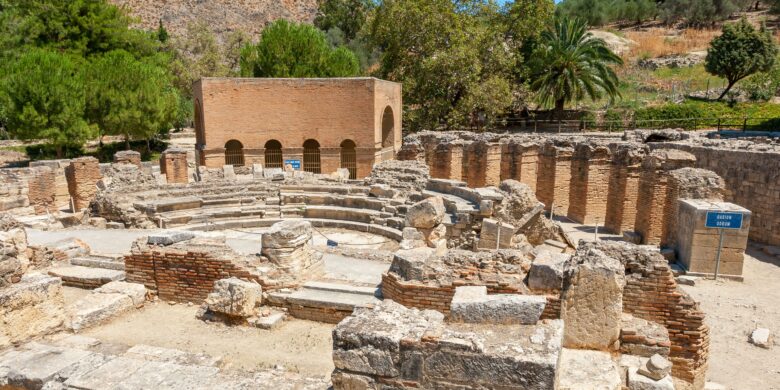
<point>324,124</point>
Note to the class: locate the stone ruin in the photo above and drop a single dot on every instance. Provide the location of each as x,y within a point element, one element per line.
<point>610,315</point>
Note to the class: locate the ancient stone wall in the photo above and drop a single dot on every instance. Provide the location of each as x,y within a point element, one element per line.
<point>554,177</point>
<point>519,161</point>
<point>752,180</point>
<point>127,157</point>
<point>623,187</point>
<point>651,217</point>
<point>590,168</point>
<point>61,194</point>
<point>83,174</point>
<point>28,190</point>
<point>482,164</point>
<point>687,183</point>
<point>42,190</point>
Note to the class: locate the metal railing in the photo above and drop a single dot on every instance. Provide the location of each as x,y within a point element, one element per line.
<point>234,157</point>
<point>584,125</point>
<point>349,161</point>
<point>273,158</point>
<point>311,160</point>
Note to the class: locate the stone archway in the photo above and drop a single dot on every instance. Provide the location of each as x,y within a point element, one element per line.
<point>273,154</point>
<point>311,156</point>
<point>234,153</point>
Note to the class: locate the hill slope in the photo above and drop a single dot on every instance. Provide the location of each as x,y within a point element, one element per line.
<point>222,16</point>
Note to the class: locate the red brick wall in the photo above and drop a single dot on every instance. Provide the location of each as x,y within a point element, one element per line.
<point>83,173</point>
<point>174,165</point>
<point>589,184</point>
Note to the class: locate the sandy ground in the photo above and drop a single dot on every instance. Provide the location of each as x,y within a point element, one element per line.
<point>298,345</point>
<point>733,310</point>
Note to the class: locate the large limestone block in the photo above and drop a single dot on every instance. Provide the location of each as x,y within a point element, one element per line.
<point>234,297</point>
<point>426,214</point>
<point>587,370</point>
<point>592,300</point>
<point>547,271</point>
<point>472,304</point>
<point>97,308</point>
<point>136,291</point>
<point>287,234</point>
<point>13,251</point>
<point>32,307</point>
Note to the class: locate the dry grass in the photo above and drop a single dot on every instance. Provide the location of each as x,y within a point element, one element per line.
<point>659,42</point>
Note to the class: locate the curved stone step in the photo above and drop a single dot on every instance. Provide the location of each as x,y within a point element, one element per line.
<point>97,261</point>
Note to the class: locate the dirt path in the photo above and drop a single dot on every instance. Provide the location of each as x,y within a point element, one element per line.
<point>733,310</point>
<point>299,346</point>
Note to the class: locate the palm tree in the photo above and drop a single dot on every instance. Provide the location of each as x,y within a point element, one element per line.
<point>570,64</point>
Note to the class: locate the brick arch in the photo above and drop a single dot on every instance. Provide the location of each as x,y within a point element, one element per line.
<point>348,157</point>
<point>273,154</point>
<point>234,153</point>
<point>388,127</point>
<point>311,156</point>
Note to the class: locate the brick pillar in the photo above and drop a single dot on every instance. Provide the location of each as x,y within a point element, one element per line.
<point>687,183</point>
<point>623,187</point>
<point>173,163</point>
<point>554,177</point>
<point>83,173</point>
<point>448,160</point>
<point>526,161</point>
<point>653,192</point>
<point>127,157</point>
<point>42,190</point>
<point>589,184</point>
<point>507,159</point>
<point>482,164</point>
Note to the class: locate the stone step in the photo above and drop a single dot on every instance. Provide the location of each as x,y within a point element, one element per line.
<point>344,288</point>
<point>98,261</point>
<point>96,308</point>
<point>86,277</point>
<point>322,299</point>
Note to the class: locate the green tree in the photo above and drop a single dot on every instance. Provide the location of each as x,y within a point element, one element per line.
<point>739,52</point>
<point>457,60</point>
<point>697,13</point>
<point>346,15</point>
<point>570,64</point>
<point>196,54</point>
<point>79,27</point>
<point>296,50</point>
<point>129,97</point>
<point>43,98</point>
<point>162,33</point>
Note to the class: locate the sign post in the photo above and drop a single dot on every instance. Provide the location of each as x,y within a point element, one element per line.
<point>722,220</point>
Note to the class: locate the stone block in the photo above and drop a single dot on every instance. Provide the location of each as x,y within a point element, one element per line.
<point>426,213</point>
<point>271,321</point>
<point>592,300</point>
<point>136,292</point>
<point>656,368</point>
<point>472,304</point>
<point>382,191</point>
<point>410,263</point>
<point>761,337</point>
<point>495,234</point>
<point>587,370</point>
<point>97,308</point>
<point>32,307</point>
<point>637,381</point>
<point>234,297</point>
<point>169,237</point>
<point>228,172</point>
<point>287,234</point>
<point>35,364</point>
<point>546,271</point>
<point>257,171</point>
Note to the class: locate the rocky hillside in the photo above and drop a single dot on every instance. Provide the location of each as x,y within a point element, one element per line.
<point>222,16</point>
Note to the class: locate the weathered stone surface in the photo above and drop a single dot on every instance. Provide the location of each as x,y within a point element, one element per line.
<point>761,337</point>
<point>547,271</point>
<point>419,349</point>
<point>656,368</point>
<point>643,338</point>
<point>412,238</point>
<point>638,381</point>
<point>426,213</point>
<point>96,308</point>
<point>410,263</point>
<point>32,366</point>
<point>234,297</point>
<point>472,304</point>
<point>32,307</point>
<point>586,370</point>
<point>592,300</point>
<point>13,248</point>
<point>136,291</point>
<point>169,237</point>
<point>287,234</point>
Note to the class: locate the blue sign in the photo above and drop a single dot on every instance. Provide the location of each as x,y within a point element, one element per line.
<point>723,220</point>
<point>296,164</point>
<point>332,244</point>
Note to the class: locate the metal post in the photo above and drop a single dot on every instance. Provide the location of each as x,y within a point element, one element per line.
<point>498,236</point>
<point>717,258</point>
<point>596,232</point>
<point>552,210</point>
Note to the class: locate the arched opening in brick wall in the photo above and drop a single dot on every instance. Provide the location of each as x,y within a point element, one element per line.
<point>200,137</point>
<point>349,157</point>
<point>388,124</point>
<point>234,153</point>
<point>311,156</point>
<point>273,154</point>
